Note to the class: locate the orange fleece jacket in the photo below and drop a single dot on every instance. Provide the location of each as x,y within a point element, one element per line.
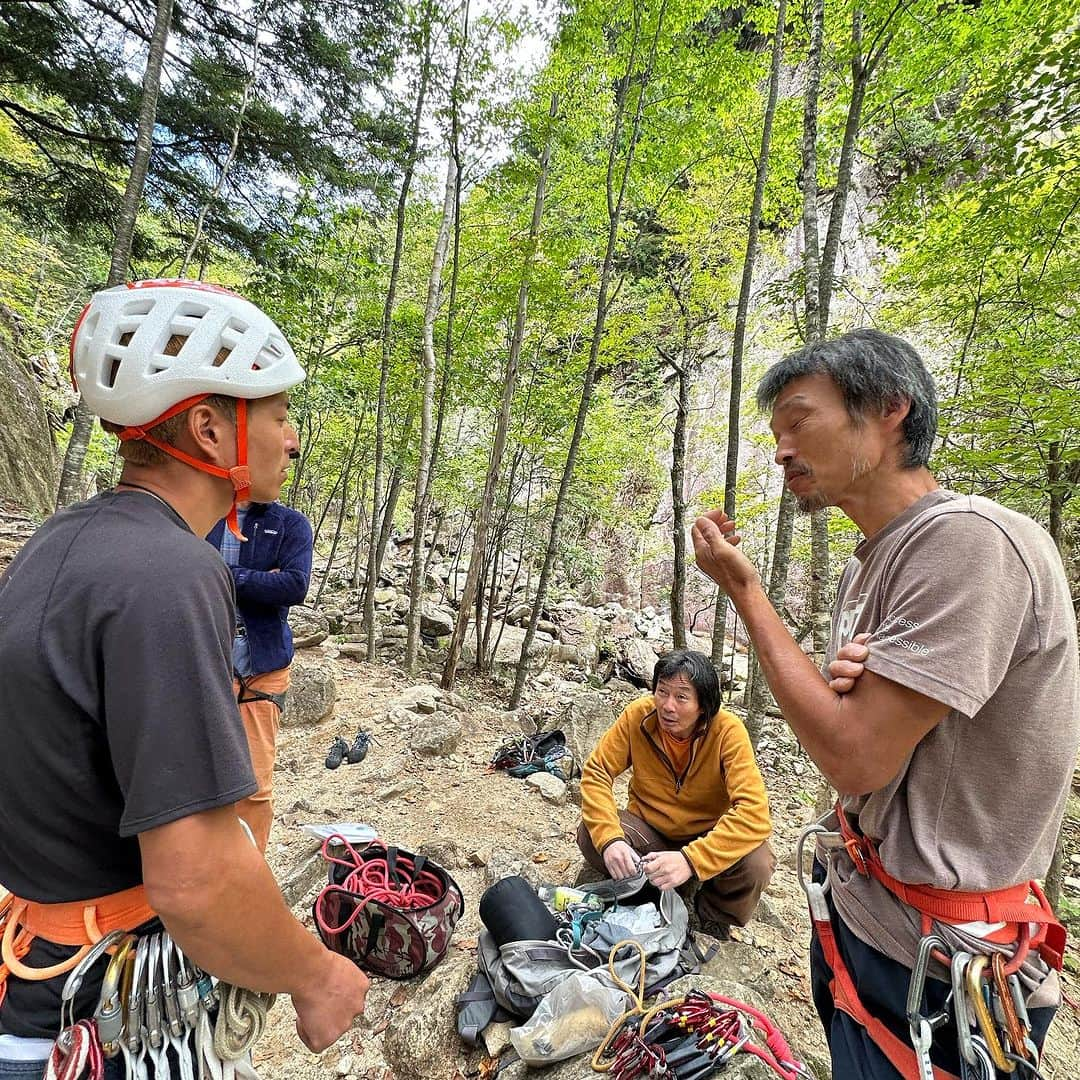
<point>718,806</point>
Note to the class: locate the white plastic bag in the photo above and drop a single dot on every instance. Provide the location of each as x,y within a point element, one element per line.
<point>574,1017</point>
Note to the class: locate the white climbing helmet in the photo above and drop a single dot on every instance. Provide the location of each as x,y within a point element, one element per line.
<point>136,382</point>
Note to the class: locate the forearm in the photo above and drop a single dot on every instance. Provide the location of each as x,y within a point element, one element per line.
<point>822,720</point>
<point>231,919</point>
<point>275,588</point>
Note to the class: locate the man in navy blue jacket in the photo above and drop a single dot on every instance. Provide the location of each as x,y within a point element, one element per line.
<point>271,572</point>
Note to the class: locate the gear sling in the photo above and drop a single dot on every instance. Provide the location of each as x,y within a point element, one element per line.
<point>1009,906</point>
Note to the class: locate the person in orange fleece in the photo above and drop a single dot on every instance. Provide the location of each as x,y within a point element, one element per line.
<point>697,806</point>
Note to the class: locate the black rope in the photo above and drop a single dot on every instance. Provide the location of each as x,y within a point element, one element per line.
<point>1018,1060</point>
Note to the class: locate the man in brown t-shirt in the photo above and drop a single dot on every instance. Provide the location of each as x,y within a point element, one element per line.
<point>955,743</point>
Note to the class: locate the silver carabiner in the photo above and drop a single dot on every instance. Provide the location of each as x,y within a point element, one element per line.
<point>923,1027</point>
<point>74,981</point>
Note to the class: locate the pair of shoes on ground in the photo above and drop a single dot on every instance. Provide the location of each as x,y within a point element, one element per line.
<point>341,751</point>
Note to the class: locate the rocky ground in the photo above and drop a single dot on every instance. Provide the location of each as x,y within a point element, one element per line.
<point>482,826</point>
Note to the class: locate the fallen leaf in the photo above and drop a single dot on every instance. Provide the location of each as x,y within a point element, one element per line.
<point>399,997</point>
<point>540,857</point>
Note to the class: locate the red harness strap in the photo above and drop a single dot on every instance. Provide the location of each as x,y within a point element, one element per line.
<point>953,906</point>
<point>900,1053</point>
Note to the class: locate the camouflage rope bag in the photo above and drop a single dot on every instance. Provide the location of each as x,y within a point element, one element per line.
<point>389,911</point>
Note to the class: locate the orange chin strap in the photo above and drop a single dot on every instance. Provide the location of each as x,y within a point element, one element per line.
<point>239,474</point>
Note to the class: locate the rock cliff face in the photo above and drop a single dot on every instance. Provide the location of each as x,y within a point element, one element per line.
<point>28,458</point>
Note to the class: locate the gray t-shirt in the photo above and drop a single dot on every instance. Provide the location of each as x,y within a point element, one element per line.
<point>116,707</point>
<point>968,604</point>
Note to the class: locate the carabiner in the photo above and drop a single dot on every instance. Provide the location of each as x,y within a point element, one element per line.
<point>982,1014</point>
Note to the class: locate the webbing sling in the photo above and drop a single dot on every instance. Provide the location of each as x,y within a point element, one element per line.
<point>247,693</point>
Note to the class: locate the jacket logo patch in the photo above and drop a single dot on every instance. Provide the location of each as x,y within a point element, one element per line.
<point>269,532</point>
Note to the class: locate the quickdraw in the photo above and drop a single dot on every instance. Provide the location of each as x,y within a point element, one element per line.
<point>692,1037</point>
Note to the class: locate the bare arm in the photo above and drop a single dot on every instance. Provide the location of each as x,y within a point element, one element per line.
<point>218,899</point>
<point>860,739</point>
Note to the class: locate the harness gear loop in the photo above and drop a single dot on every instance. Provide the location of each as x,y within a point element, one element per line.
<point>239,475</point>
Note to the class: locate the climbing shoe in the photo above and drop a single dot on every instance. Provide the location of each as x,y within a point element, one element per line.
<point>358,751</point>
<point>339,750</point>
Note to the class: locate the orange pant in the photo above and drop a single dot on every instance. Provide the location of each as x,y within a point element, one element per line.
<point>261,722</point>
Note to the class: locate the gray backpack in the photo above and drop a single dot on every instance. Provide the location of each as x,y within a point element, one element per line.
<point>522,973</point>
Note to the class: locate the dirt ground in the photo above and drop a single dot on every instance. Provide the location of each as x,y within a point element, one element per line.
<point>468,812</point>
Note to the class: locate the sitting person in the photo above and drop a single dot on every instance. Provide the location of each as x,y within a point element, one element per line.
<point>697,806</point>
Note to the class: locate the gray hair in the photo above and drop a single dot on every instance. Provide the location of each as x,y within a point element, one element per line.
<point>873,370</point>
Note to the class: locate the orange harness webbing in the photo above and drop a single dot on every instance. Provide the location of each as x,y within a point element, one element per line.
<point>845,997</point>
<point>1008,905</point>
<point>80,923</point>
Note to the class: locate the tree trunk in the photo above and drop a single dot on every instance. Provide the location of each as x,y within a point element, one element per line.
<point>75,454</point>
<point>498,447</point>
<point>785,524</point>
<point>678,499</point>
<point>374,543</point>
<point>421,500</point>
<point>615,202</point>
<point>738,344</point>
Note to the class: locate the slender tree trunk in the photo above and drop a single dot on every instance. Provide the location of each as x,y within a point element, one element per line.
<point>778,575</point>
<point>678,497</point>
<point>738,344</point>
<point>498,446</point>
<point>615,201</point>
<point>421,500</point>
<point>374,544</point>
<point>346,480</point>
<point>75,454</point>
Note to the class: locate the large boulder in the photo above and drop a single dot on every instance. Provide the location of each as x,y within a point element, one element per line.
<point>435,622</point>
<point>435,734</point>
<point>589,714</point>
<point>637,661</point>
<point>309,626</point>
<point>312,692</point>
<point>421,1041</point>
<point>28,459</point>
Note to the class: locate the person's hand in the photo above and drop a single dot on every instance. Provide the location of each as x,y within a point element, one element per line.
<point>716,545</point>
<point>328,1011</point>
<point>621,860</point>
<point>849,664</point>
<point>666,869</point>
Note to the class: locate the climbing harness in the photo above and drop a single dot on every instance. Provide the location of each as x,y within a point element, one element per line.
<point>247,693</point>
<point>388,910</point>
<point>985,998</point>
<point>81,924</point>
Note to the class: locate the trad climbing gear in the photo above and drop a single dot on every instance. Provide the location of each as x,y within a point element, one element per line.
<point>388,910</point>
<point>953,906</point>
<point>337,753</point>
<point>118,362</point>
<point>692,1037</point>
<point>154,1000</point>
<point>994,1007</point>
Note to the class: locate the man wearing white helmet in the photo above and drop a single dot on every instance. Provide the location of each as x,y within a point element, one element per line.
<point>122,754</point>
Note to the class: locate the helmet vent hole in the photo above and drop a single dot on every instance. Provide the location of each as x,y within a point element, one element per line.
<point>223,354</point>
<point>112,369</point>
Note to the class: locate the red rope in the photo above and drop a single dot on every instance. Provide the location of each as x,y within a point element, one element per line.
<point>370,878</point>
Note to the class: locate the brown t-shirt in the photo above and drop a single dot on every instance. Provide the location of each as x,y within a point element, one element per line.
<point>968,604</point>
